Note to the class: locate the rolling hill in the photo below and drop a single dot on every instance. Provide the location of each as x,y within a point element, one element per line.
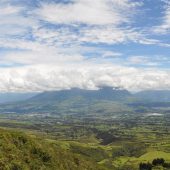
<point>24,152</point>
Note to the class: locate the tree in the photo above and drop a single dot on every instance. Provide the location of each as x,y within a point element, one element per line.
<point>145,166</point>
<point>158,161</point>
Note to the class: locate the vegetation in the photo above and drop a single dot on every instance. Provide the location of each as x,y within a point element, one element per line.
<point>158,162</point>
<point>79,134</point>
<point>48,141</point>
<point>20,151</point>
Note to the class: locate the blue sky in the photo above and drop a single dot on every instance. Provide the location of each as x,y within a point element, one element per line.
<point>60,44</point>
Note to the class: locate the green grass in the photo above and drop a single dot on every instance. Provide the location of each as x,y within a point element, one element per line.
<point>19,151</point>
<point>74,141</point>
<point>155,154</point>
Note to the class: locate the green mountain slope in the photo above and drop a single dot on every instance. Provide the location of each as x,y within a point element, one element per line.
<point>153,96</point>
<point>22,152</point>
<point>104,93</point>
<point>78,101</point>
<point>14,97</point>
<point>73,101</point>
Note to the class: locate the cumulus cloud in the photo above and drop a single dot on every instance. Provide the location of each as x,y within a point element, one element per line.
<point>50,43</point>
<point>88,76</point>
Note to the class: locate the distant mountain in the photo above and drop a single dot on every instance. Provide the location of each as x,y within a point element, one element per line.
<point>15,97</point>
<point>153,96</point>
<point>104,101</point>
<point>104,93</point>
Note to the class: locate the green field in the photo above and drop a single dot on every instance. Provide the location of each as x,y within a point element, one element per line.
<point>120,142</point>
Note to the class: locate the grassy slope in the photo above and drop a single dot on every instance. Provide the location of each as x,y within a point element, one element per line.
<point>19,151</point>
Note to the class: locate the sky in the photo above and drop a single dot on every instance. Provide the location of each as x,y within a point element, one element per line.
<point>62,44</point>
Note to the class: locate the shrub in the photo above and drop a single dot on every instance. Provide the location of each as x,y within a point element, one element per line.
<point>45,157</point>
<point>145,166</point>
<point>166,165</point>
<point>158,161</point>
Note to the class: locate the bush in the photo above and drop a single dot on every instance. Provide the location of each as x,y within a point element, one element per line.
<point>166,165</point>
<point>145,166</point>
<point>16,166</point>
<point>158,161</point>
<point>45,157</point>
<point>130,150</point>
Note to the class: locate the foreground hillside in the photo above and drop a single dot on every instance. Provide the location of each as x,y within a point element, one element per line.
<point>86,130</point>
<point>125,142</point>
<point>19,151</point>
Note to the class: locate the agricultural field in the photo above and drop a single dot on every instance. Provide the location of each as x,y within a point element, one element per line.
<point>122,141</point>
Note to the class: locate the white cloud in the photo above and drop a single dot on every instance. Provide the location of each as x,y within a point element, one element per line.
<point>90,76</point>
<point>94,34</point>
<point>103,26</point>
<point>165,25</point>
<point>13,21</point>
<point>150,61</point>
<point>94,21</point>
<point>89,12</point>
<point>138,60</point>
<point>110,35</point>
<point>9,10</point>
<point>111,54</point>
<point>54,55</point>
<point>45,56</point>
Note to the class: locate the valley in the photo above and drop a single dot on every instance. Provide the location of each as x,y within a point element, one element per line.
<point>115,143</point>
<point>85,85</point>
<point>113,133</point>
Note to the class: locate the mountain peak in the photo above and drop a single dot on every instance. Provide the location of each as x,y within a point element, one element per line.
<point>104,93</point>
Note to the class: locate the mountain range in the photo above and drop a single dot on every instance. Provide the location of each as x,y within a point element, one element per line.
<point>75,100</point>
<point>104,93</point>
<point>14,97</point>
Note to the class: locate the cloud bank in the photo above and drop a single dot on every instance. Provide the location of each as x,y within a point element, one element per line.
<point>54,45</point>
<point>88,76</point>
